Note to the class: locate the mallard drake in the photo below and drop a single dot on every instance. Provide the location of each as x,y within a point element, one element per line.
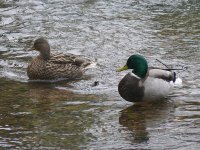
<point>48,66</point>
<point>144,83</point>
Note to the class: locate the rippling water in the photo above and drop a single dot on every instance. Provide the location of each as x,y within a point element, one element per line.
<point>76,115</point>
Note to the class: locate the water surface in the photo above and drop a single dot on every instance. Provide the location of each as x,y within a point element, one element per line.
<point>76,115</point>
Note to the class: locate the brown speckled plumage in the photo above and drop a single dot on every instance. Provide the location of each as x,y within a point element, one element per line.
<point>49,66</point>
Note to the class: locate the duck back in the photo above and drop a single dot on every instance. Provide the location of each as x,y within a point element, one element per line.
<point>58,66</point>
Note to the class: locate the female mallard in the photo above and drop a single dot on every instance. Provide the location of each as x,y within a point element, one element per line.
<point>49,66</point>
<point>144,83</point>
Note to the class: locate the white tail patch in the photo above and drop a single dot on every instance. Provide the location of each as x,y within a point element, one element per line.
<point>92,65</point>
<point>178,82</point>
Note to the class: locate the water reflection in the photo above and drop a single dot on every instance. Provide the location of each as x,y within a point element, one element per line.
<point>36,114</point>
<point>46,91</point>
<point>139,118</point>
<point>134,120</point>
<point>53,116</point>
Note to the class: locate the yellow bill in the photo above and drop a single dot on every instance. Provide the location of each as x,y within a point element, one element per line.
<point>122,68</point>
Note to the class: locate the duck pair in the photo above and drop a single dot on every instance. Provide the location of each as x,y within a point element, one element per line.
<point>143,83</point>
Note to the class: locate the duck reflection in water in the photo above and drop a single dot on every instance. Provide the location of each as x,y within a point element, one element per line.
<point>47,91</point>
<point>139,118</point>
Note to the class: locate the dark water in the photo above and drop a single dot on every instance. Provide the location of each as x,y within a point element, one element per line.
<point>75,115</point>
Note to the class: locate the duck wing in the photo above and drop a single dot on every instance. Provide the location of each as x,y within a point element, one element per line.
<point>65,66</point>
<point>165,74</point>
<point>69,59</point>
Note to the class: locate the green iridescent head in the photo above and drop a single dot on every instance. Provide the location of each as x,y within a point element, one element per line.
<point>139,65</point>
